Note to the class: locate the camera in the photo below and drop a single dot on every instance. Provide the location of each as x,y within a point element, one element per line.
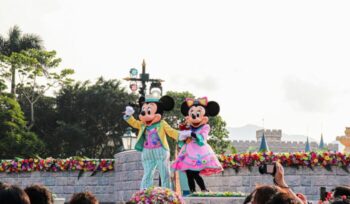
<point>268,169</point>
<point>323,193</point>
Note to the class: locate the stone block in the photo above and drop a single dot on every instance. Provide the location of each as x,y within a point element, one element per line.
<point>319,181</point>
<point>293,180</point>
<point>306,181</point>
<point>61,181</point>
<point>48,181</point>
<point>233,181</point>
<point>68,189</point>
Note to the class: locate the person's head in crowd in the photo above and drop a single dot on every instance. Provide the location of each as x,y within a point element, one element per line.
<point>39,194</point>
<point>282,198</point>
<point>264,193</point>
<point>341,191</point>
<point>11,194</point>
<point>248,199</point>
<point>3,185</point>
<point>340,201</point>
<point>83,198</point>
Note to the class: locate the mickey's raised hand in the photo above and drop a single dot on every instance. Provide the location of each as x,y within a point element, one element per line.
<point>129,111</point>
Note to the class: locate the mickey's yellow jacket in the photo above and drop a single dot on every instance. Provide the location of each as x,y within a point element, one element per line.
<point>163,130</point>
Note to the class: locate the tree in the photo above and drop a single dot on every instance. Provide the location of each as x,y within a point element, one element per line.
<point>37,72</point>
<point>46,117</point>
<point>15,43</point>
<point>219,135</point>
<point>90,121</point>
<point>15,140</point>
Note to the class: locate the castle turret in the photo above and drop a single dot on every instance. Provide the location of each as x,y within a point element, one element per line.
<point>263,145</point>
<point>321,146</point>
<point>307,145</point>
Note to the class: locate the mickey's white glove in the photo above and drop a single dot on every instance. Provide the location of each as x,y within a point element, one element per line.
<point>184,134</point>
<point>129,111</point>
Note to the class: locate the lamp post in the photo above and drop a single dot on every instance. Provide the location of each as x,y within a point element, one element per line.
<point>129,139</point>
<point>156,84</point>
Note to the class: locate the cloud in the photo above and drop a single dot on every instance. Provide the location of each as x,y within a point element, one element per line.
<point>307,96</point>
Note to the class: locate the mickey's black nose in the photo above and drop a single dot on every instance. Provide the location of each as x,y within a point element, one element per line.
<point>143,113</point>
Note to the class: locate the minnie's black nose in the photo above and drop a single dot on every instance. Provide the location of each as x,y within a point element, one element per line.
<point>193,116</point>
<point>143,113</point>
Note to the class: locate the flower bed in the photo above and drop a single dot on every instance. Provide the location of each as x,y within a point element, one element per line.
<point>217,194</point>
<point>296,159</point>
<point>235,161</point>
<point>156,195</point>
<point>55,165</point>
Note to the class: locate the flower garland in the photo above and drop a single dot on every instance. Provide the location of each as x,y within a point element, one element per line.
<point>234,161</point>
<point>296,159</point>
<point>156,195</point>
<point>56,165</point>
<point>218,194</point>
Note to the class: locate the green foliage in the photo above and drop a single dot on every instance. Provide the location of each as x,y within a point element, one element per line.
<point>16,42</point>
<point>90,119</point>
<point>219,135</point>
<point>15,140</point>
<point>37,71</point>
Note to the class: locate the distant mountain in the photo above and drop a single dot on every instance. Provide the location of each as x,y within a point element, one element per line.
<point>248,132</point>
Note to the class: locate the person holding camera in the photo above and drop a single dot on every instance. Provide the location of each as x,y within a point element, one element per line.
<point>281,192</point>
<point>281,182</point>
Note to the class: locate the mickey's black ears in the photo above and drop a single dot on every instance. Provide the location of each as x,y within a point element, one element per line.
<point>184,108</point>
<point>213,108</point>
<point>141,101</point>
<point>167,102</point>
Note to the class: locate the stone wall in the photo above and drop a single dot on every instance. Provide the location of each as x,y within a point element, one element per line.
<point>64,184</point>
<point>283,146</point>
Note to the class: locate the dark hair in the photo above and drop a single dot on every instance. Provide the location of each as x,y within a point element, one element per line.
<point>248,199</point>
<point>83,198</point>
<point>211,109</point>
<point>341,190</point>
<point>166,103</point>
<point>11,194</point>
<point>39,194</point>
<point>341,202</point>
<point>281,198</point>
<point>3,185</point>
<point>264,193</point>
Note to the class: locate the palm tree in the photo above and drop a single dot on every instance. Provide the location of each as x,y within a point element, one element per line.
<point>17,42</point>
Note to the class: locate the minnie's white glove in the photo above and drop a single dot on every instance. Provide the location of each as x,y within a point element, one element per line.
<point>129,111</point>
<point>184,134</point>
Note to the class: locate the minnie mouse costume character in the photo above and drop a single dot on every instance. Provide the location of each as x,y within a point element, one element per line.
<point>196,157</point>
<point>151,139</point>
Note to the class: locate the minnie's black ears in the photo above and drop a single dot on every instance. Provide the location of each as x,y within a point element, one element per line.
<point>167,102</point>
<point>213,108</point>
<point>184,108</point>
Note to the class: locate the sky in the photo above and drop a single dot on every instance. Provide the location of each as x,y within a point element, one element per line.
<point>286,62</point>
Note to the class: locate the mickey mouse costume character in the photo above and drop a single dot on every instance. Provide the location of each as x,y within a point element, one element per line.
<point>151,139</point>
<point>196,157</point>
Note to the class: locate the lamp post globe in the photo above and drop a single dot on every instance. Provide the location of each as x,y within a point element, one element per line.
<point>129,139</point>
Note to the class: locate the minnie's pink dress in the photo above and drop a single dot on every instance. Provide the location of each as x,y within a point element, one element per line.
<point>197,155</point>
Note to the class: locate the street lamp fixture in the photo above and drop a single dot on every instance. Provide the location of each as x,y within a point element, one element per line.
<point>129,139</point>
<point>143,78</point>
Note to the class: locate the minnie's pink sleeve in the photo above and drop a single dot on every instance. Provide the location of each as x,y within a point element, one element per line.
<point>204,132</point>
